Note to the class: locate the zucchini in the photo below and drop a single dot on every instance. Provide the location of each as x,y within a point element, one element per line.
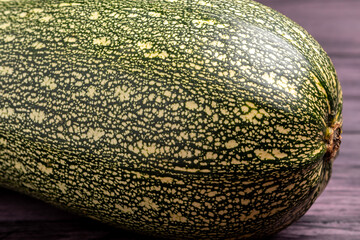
<point>186,119</point>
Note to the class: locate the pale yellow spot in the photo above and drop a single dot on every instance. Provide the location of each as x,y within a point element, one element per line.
<point>91,91</point>
<point>292,90</point>
<point>5,70</point>
<point>317,151</point>
<point>208,110</point>
<point>184,135</point>
<point>45,169</point>
<point>132,15</point>
<point>268,184</point>
<point>4,25</point>
<point>196,204</point>
<point>264,155</point>
<point>235,161</point>
<point>250,116</point>
<point>23,14</point>
<point>62,187</point>
<point>217,44</point>
<point>29,185</point>
<point>167,93</point>
<point>20,167</point>
<point>178,217</point>
<point>37,116</point>
<point>290,187</point>
<point>37,10</point>
<point>154,14</point>
<point>185,153</point>
<point>191,105</point>
<point>276,210</point>
<point>175,106</point>
<point>279,154</point>
<point>222,57</point>
<point>94,16</point>
<point>245,109</point>
<point>3,142</point>
<point>70,39</point>
<point>303,138</point>
<point>123,93</point>
<point>198,67</point>
<point>283,83</point>
<point>232,73</point>
<point>162,55</point>
<point>252,51</point>
<point>272,189</point>
<point>211,155</point>
<point>106,192</point>
<point>212,194</point>
<point>200,23</point>
<point>96,134</point>
<point>250,104</point>
<point>165,179</point>
<point>46,18</point>
<point>68,4</point>
<point>147,203</point>
<point>222,25</point>
<point>259,20</point>
<point>269,77</point>
<point>48,82</point>
<point>203,3</point>
<point>182,169</point>
<point>231,144</point>
<point>259,115</point>
<point>148,149</point>
<point>38,45</point>
<point>144,45</point>
<point>262,111</point>
<point>248,190</point>
<point>124,209</point>
<point>252,215</point>
<point>283,130</point>
<point>9,38</point>
<point>103,41</point>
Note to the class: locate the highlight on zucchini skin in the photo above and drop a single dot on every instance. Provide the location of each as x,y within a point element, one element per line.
<point>184,119</point>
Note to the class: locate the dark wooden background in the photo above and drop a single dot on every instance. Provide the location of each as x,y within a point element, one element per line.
<point>334,216</point>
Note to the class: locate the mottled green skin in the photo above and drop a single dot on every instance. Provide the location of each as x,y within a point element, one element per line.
<point>187,119</point>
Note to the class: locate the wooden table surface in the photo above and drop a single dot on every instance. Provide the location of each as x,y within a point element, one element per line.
<point>334,216</point>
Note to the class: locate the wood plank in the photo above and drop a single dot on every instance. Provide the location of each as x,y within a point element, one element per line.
<point>18,207</point>
<point>351,110</point>
<point>348,70</point>
<point>69,230</point>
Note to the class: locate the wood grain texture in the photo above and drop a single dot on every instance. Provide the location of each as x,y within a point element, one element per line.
<point>335,215</point>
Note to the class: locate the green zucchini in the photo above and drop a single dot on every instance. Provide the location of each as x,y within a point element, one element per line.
<point>201,119</point>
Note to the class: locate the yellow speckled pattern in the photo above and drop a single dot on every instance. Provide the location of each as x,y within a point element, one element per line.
<point>186,119</point>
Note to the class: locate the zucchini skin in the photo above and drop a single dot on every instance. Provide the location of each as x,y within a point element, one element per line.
<point>182,119</point>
